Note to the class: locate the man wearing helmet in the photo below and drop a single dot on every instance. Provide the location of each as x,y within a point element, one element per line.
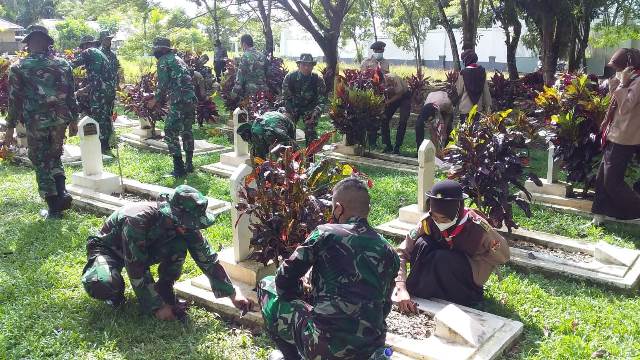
<point>139,235</point>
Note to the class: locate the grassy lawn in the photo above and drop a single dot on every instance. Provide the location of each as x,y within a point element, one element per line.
<point>44,312</point>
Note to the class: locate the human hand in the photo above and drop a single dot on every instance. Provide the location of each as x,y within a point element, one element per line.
<point>402,298</point>
<point>626,76</point>
<point>165,313</point>
<point>241,303</point>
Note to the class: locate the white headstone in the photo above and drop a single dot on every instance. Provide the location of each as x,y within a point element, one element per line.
<point>240,147</point>
<point>92,176</point>
<point>426,172</point>
<point>455,325</point>
<point>552,167</point>
<point>90,151</point>
<point>145,130</point>
<point>241,232</point>
<point>21,136</point>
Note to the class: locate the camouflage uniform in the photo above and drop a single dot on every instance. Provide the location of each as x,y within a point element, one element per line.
<point>100,81</point>
<point>139,235</point>
<point>352,278</point>
<point>251,75</point>
<point>304,96</point>
<point>114,67</point>
<point>42,97</point>
<point>174,82</point>
<point>270,129</point>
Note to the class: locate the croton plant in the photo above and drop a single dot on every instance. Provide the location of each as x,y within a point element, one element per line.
<point>5,64</point>
<point>418,84</point>
<point>288,197</point>
<point>357,104</point>
<point>574,110</point>
<point>134,98</point>
<point>489,159</point>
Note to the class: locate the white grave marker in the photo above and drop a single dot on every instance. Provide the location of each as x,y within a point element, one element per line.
<point>426,171</point>
<point>92,176</point>
<point>241,232</point>
<point>231,161</point>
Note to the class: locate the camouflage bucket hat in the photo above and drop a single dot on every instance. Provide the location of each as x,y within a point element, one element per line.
<point>243,128</point>
<point>87,39</point>
<point>306,59</point>
<point>35,30</point>
<point>161,43</point>
<point>187,207</point>
<point>105,34</point>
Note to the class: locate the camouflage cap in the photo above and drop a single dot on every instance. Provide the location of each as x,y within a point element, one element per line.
<point>306,58</point>
<point>35,30</point>
<point>187,207</point>
<point>87,39</point>
<point>161,43</point>
<point>378,45</point>
<point>105,34</point>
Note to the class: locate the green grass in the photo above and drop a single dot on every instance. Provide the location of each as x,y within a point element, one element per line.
<point>44,312</point>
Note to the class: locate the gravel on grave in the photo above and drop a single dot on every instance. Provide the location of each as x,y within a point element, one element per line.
<point>579,257</point>
<point>414,326</point>
<point>133,197</point>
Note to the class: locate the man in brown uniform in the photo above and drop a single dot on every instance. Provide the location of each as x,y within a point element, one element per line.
<point>452,252</point>
<point>377,58</point>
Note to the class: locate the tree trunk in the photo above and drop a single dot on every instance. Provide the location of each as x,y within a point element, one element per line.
<point>512,47</point>
<point>452,37</point>
<point>469,11</point>
<point>373,21</point>
<point>573,38</point>
<point>265,17</point>
<point>330,51</point>
<point>548,63</point>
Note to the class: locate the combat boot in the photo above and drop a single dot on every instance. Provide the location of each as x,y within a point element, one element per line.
<point>189,162</point>
<point>54,211</point>
<point>64,198</point>
<point>178,167</point>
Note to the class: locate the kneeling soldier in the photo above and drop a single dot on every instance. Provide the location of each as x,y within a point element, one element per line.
<point>266,132</point>
<point>142,234</point>
<point>352,272</point>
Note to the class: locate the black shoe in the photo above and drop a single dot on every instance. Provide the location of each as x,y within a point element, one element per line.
<point>178,167</point>
<point>115,303</point>
<point>387,150</point>
<point>54,211</point>
<point>396,150</point>
<point>64,198</point>
<point>189,162</point>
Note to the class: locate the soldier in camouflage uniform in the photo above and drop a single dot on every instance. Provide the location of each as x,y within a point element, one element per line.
<point>270,129</point>
<point>99,87</point>
<point>352,277</point>
<point>41,96</point>
<point>139,235</point>
<point>114,66</point>
<point>251,75</point>
<point>175,82</point>
<point>304,96</point>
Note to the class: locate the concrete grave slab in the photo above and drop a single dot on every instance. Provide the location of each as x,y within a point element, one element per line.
<point>492,334</point>
<point>123,121</point>
<point>201,147</point>
<point>105,204</point>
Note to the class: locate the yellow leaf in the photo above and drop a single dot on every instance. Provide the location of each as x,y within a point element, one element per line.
<point>347,170</point>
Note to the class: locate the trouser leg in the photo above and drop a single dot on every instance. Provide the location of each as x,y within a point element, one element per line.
<point>45,151</point>
<point>614,197</point>
<point>102,275</point>
<point>405,111</point>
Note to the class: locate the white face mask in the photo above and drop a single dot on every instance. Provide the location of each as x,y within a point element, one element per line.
<point>445,226</point>
<point>619,75</point>
<point>377,56</point>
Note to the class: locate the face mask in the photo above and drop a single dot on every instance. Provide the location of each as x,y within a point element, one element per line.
<point>378,56</point>
<point>158,54</point>
<point>445,226</point>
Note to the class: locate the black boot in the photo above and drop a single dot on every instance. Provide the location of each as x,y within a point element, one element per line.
<point>54,211</point>
<point>64,198</point>
<point>189,163</point>
<point>178,167</point>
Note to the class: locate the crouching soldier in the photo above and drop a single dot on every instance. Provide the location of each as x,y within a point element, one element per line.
<point>352,277</point>
<point>270,129</point>
<point>452,252</point>
<point>438,112</point>
<point>142,234</point>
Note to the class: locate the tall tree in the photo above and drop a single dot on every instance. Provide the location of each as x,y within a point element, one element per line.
<point>446,24</point>
<point>324,26</point>
<point>470,13</point>
<point>505,11</point>
<point>357,26</point>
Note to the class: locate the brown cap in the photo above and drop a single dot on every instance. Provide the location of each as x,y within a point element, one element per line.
<point>625,57</point>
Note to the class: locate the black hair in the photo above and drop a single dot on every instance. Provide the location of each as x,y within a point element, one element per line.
<point>246,39</point>
<point>357,187</point>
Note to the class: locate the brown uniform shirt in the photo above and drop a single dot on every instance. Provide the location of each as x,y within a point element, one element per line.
<point>482,245</point>
<point>372,63</point>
